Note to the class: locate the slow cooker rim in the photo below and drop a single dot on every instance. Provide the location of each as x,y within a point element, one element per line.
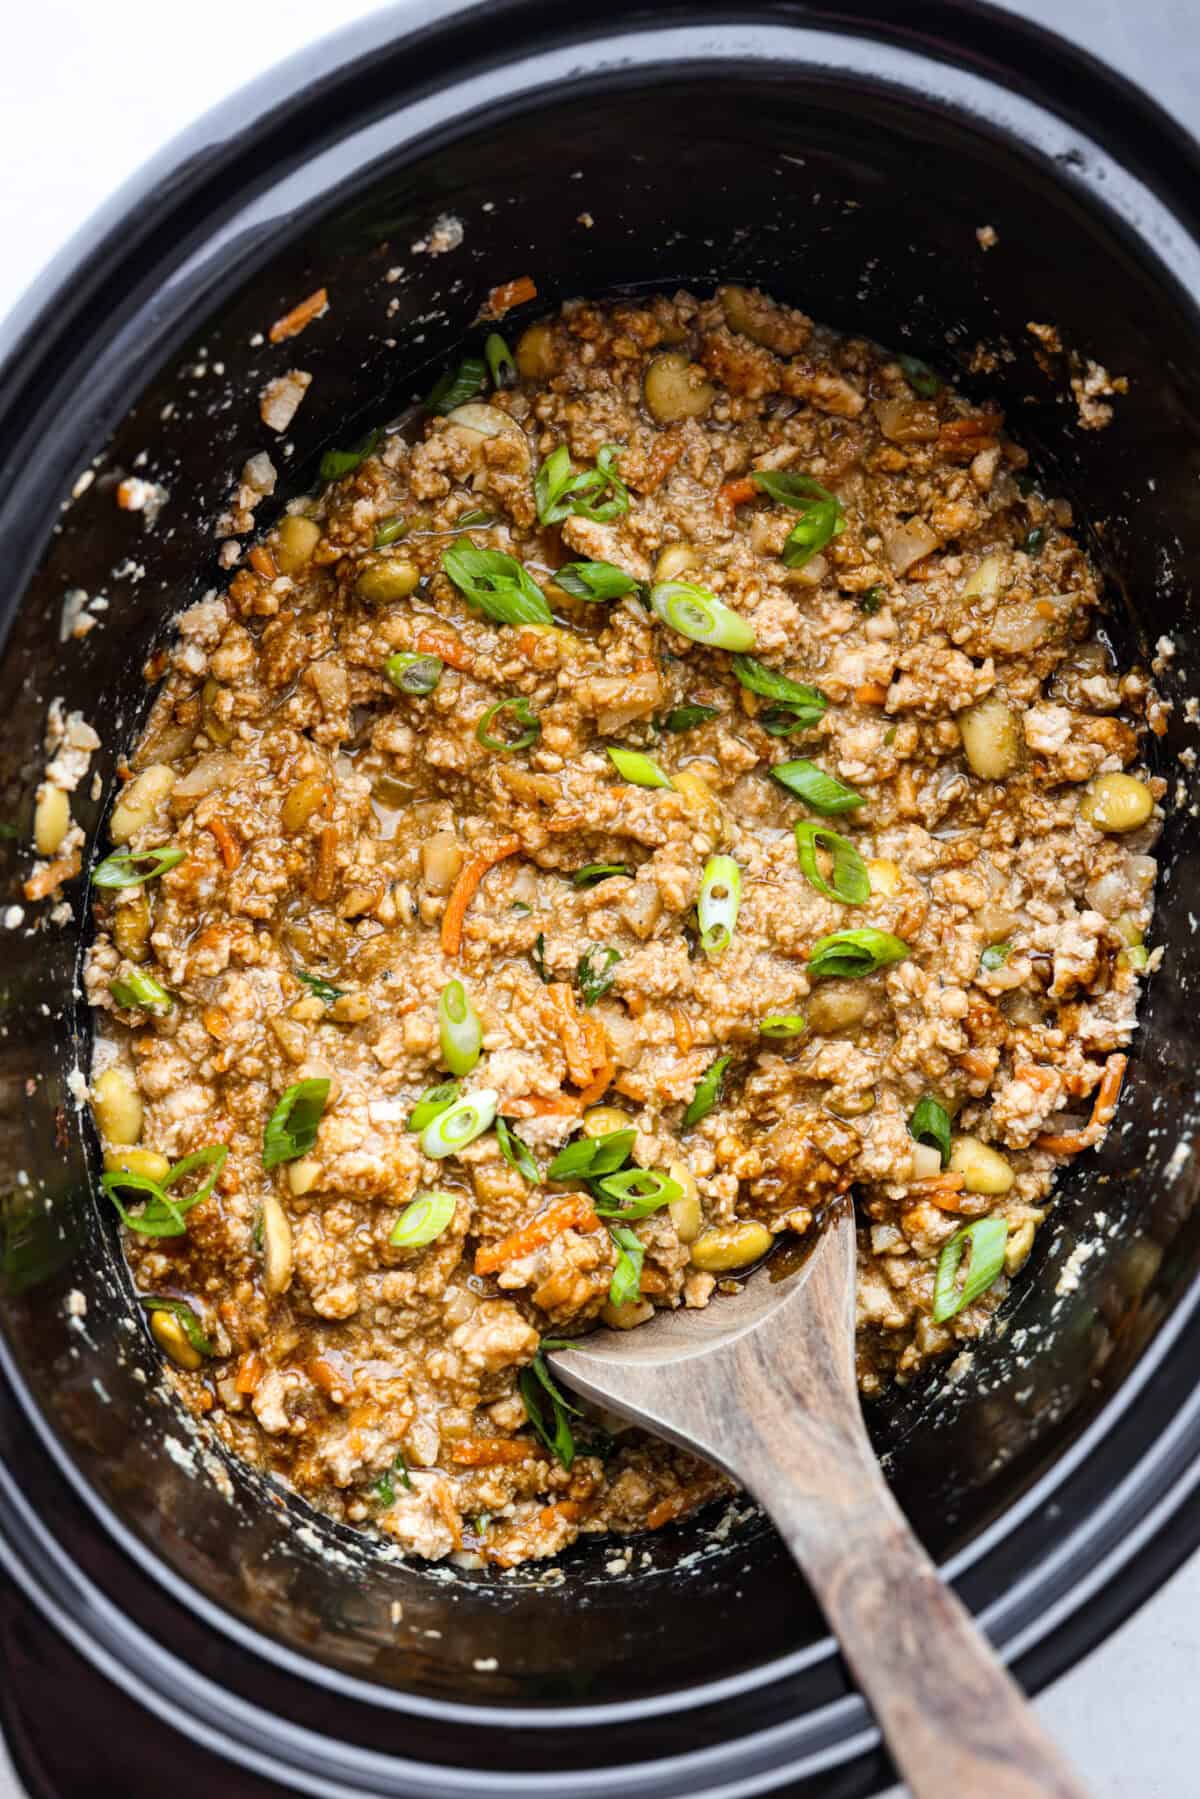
<point>149,193</point>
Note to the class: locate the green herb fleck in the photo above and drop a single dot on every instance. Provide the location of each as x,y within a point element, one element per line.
<point>595,977</point>
<point>324,990</point>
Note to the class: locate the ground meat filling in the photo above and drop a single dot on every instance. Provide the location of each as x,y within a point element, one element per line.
<point>352,827</point>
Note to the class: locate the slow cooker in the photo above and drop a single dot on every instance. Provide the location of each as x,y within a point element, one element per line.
<point>938,178</point>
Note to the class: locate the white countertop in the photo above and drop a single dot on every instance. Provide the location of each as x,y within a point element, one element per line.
<point>87,93</point>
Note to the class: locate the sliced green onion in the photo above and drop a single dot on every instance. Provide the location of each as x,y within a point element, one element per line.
<point>520,908</point>
<point>625,1287</point>
<point>920,377</point>
<point>383,1489</point>
<point>592,1156</point>
<point>498,584</point>
<point>457,386</point>
<point>848,955</point>
<point>292,1127</point>
<point>499,358</point>
<point>518,707</point>
<point>824,793</point>
<point>413,673</point>
<point>708,1092</point>
<point>930,1123</point>
<point>686,718</point>
<point>592,873</point>
<point>594,580</point>
<point>594,978</point>
<point>635,1193</point>
<point>995,956</point>
<point>701,616</point>
<point>871,601</point>
<point>805,706</point>
<point>547,1410</point>
<point>778,721</point>
<point>1134,955</point>
<point>459,1029</point>
<point>335,463</point>
<point>849,881</point>
<point>141,989</point>
<point>422,1221</point>
<point>537,956</point>
<point>475,519</point>
<point>986,1241</point>
<point>391,531</point>
<point>717,906</point>
<point>516,1153</point>
<point>782,1024</point>
<point>324,990</point>
<point>163,1214</point>
<point>1035,541</point>
<point>640,769</point>
<point>193,1330</point>
<point>432,1103</point>
<point>822,518</point>
<point>460,1123</point>
<point>121,868</point>
<point>560,489</point>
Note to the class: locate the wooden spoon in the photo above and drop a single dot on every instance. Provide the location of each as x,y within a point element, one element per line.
<point>762,1384</point>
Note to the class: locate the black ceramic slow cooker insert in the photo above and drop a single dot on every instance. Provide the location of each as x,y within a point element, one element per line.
<point>846,160</point>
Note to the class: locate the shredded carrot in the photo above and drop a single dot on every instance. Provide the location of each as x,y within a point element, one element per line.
<point>596,1089</point>
<point>292,323</point>
<point>566,1509</point>
<point>976,1066</point>
<point>227,843</point>
<point>1070,1143</point>
<point>262,562</point>
<point>666,1511</point>
<point>465,888</point>
<point>1042,1080</point>
<point>502,299</point>
<point>490,1452</point>
<point>325,1376</point>
<point>43,881</point>
<point>574,1212</point>
<point>685,1037</point>
<point>735,493</point>
<point>250,1371</point>
<point>452,650</point>
<point>566,1023</point>
<point>542,1105</point>
<point>942,1190</point>
<point>871,693</point>
<point>978,424</point>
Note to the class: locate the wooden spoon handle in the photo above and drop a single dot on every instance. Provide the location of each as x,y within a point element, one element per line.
<point>957,1724</point>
